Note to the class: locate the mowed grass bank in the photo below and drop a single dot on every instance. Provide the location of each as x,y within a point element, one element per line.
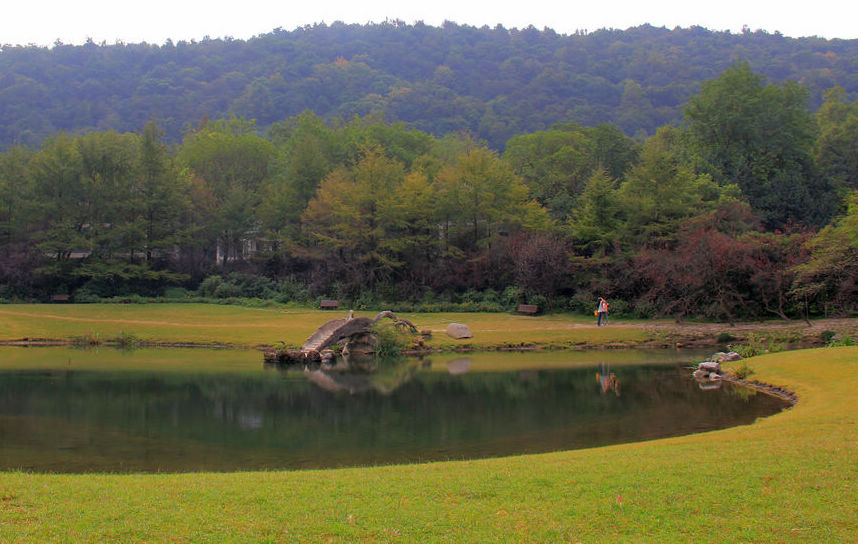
<point>792,477</point>
<point>249,327</point>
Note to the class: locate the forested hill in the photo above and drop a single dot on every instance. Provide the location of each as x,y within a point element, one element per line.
<point>493,82</point>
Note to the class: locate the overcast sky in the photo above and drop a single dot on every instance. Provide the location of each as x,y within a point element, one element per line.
<point>42,22</point>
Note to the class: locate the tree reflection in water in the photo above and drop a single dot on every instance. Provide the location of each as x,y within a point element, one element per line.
<point>390,411</point>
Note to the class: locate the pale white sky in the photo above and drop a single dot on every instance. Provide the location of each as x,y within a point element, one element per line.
<point>42,22</point>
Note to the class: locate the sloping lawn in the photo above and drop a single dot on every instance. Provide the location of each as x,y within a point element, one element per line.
<point>239,326</point>
<point>792,477</point>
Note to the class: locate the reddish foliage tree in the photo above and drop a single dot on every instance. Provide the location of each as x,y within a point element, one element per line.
<point>707,272</point>
<point>772,274</point>
<point>541,263</point>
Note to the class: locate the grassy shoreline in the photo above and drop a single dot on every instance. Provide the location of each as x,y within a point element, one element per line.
<point>787,478</point>
<point>203,325</point>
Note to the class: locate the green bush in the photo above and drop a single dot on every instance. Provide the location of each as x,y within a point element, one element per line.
<point>366,301</point>
<point>838,341</point>
<point>748,350</point>
<point>827,336</point>
<point>540,302</point>
<point>512,296</point>
<point>235,285</point>
<point>85,296</point>
<point>127,341</point>
<point>87,340</point>
<point>391,340</point>
<point>583,302</point>
<point>227,290</point>
<point>177,293</point>
<point>757,345</point>
<point>490,296</point>
<point>293,291</point>
<point>725,337</point>
<point>209,285</point>
<point>620,308</point>
<point>741,370</point>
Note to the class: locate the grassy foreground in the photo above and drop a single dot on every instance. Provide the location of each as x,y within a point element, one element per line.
<point>788,478</point>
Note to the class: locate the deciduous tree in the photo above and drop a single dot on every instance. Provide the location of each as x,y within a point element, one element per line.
<point>760,136</point>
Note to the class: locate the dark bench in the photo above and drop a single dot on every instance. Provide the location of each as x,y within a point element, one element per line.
<point>528,309</point>
<point>59,298</point>
<point>329,304</point>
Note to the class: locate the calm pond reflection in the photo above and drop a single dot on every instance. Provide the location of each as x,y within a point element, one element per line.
<point>64,410</point>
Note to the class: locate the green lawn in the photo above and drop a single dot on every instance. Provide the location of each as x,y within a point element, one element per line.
<point>792,477</point>
<point>234,325</point>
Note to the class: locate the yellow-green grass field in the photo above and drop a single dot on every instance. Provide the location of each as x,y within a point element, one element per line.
<point>249,327</point>
<point>792,477</point>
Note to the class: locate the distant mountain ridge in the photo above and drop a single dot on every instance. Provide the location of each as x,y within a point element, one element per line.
<point>491,82</point>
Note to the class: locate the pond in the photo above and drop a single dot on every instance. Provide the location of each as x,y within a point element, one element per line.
<point>174,410</point>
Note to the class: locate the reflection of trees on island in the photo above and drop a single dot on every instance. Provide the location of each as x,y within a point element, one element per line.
<point>355,375</point>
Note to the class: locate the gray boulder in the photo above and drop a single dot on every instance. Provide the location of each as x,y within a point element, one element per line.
<point>459,331</point>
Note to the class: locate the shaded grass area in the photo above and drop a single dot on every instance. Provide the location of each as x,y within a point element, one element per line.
<point>237,326</point>
<point>206,361</point>
<point>788,478</point>
<point>195,361</point>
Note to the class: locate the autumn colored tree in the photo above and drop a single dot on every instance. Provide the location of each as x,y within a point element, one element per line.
<point>775,259</point>
<point>541,264</point>
<point>480,198</point>
<point>706,273</point>
<point>351,216</point>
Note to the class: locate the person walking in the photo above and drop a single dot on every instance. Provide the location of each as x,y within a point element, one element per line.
<point>602,311</point>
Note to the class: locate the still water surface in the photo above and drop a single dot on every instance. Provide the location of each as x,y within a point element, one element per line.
<point>64,410</point>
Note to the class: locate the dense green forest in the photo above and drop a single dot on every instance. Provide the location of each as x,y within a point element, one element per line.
<point>746,209</point>
<point>494,83</point>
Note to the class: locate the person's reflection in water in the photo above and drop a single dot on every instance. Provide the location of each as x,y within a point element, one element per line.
<point>607,380</point>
